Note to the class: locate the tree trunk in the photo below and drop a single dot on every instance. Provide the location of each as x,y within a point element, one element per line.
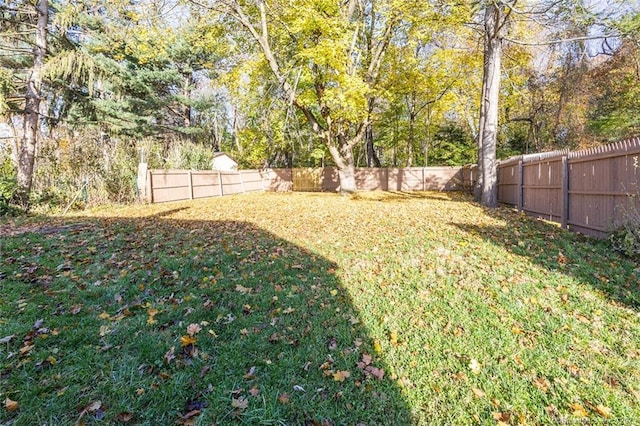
<point>26,156</point>
<point>487,189</point>
<point>186,93</point>
<point>347,180</point>
<point>372,157</point>
<point>411,137</point>
<point>344,160</point>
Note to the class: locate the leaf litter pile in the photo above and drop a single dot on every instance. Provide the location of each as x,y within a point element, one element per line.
<point>384,308</point>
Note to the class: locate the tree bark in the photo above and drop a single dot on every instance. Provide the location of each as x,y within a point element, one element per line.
<point>487,189</point>
<point>26,156</point>
<point>372,157</point>
<point>343,157</point>
<point>411,137</point>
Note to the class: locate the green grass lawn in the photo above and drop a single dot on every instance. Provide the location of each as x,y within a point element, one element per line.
<point>314,309</point>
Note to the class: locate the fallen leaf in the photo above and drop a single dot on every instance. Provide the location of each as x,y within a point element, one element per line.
<point>376,372</point>
<point>332,344</point>
<point>90,408</point>
<point>502,417</point>
<point>562,259</point>
<point>251,374</point>
<point>366,359</point>
<point>240,403</point>
<point>341,376</point>
<point>152,312</point>
<point>204,370</point>
<point>191,414</point>
<point>283,398</point>
<point>242,289</point>
<point>193,329</point>
<point>603,411</point>
<point>542,383</point>
<point>124,417</point>
<point>170,355</point>
<point>7,339</point>
<point>10,404</point>
<point>195,405</point>
<point>578,410</point>
<point>25,349</point>
<point>325,365</point>
<point>187,340</point>
<point>474,366</point>
<point>478,393</point>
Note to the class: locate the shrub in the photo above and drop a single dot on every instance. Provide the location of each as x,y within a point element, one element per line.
<point>626,240</point>
<point>8,186</point>
<point>626,237</point>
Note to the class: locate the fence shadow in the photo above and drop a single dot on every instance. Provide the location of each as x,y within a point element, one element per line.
<point>280,341</point>
<point>587,259</point>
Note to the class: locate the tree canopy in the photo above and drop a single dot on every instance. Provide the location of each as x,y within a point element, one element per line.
<point>313,82</point>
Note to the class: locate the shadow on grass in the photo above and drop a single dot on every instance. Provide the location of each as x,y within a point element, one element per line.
<point>588,260</point>
<point>158,321</point>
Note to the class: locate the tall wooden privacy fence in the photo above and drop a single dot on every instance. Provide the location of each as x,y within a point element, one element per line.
<point>589,191</point>
<point>174,185</point>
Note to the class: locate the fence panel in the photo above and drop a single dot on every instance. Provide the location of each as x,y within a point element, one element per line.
<point>253,180</point>
<point>509,184</point>
<point>542,188</point>
<point>330,179</point>
<point>205,183</point>
<point>589,191</point>
<point>168,185</point>
<point>408,179</point>
<point>603,187</point>
<point>469,177</point>
<point>443,179</point>
<point>368,179</point>
<point>307,180</point>
<point>231,183</point>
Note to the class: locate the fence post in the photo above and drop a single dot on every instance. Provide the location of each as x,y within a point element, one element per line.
<point>244,190</point>
<point>424,184</point>
<point>220,183</point>
<point>520,193</point>
<point>565,192</point>
<point>190,184</point>
<point>386,170</point>
<point>150,185</point>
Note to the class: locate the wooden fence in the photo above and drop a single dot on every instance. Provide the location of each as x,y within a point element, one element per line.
<point>158,186</point>
<point>173,185</point>
<point>382,179</point>
<point>589,191</point>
